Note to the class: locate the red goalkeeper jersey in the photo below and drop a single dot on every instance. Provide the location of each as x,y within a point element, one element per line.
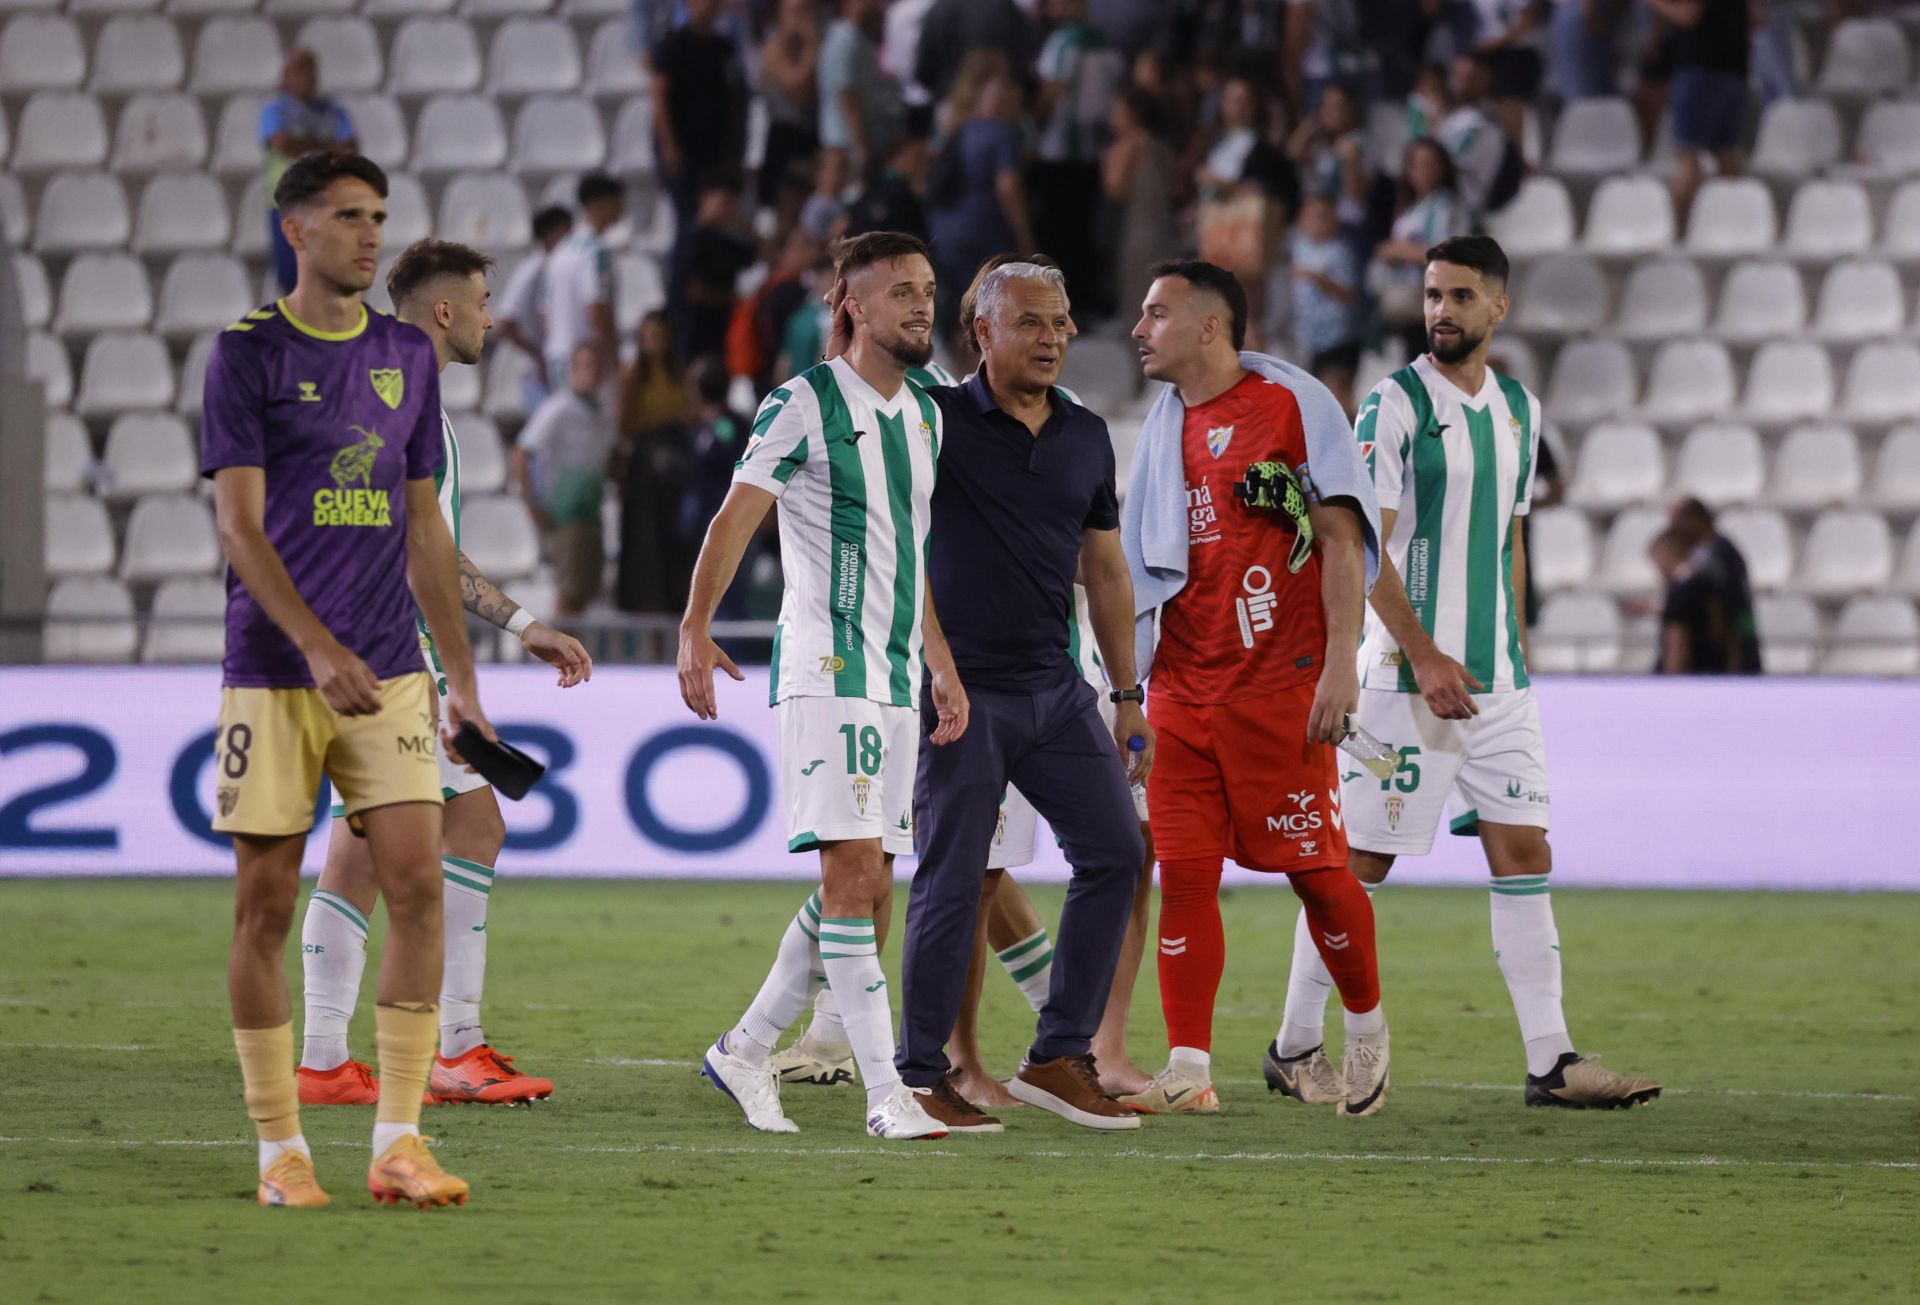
<point>1244,626</point>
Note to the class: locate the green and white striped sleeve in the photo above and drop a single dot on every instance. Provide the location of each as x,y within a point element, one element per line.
<point>779,445</point>
<point>1384,429</point>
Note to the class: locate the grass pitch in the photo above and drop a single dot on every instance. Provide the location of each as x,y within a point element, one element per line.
<point>1783,1164</point>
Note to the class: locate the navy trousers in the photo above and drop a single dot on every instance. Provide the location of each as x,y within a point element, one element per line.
<point>1054,747</point>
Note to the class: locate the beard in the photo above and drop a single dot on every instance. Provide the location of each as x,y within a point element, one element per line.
<point>907,350</point>
<point>467,352</point>
<point>1453,353</point>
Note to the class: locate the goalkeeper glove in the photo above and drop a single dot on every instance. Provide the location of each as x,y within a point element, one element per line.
<point>1272,487</point>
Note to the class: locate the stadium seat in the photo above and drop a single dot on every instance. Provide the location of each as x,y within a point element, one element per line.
<point>103,292</point>
<point>1689,381</point>
<point>1765,540</point>
<point>1787,380</point>
<point>1797,138</point>
<point>1731,216</point>
<point>14,222</point>
<point>1624,566</point>
<point>632,154</point>
<point>1906,576</point>
<point>138,54</point>
<point>592,8</point>
<point>1594,138</point>
<point>460,388</point>
<point>613,70</point>
<point>497,533</point>
<point>1860,299</point>
<point>41,52</point>
<point>1563,294</point>
<point>236,136</point>
<point>181,212</point>
<point>1663,298</point>
<point>1577,631</point>
<point>559,133</point>
<point>168,535</point>
<point>6,136</point>
<point>1900,238</point>
<point>457,132</point>
<point>236,54</point>
<point>1865,56</point>
<point>483,455</point>
<point>1592,378</point>
<point>379,128</point>
<point>637,289</point>
<point>1559,548</point>
<point>193,375</point>
<point>79,537</point>
<point>504,8</point>
<point>434,55</point>
<point>1896,472</point>
<point>1848,550</point>
<point>160,132</point>
<point>36,295</point>
<point>533,56</point>
<point>1874,636</point>
<point>188,621</point>
<point>505,367</point>
<point>348,51</point>
<point>148,453</point>
<point>124,372</point>
<point>47,363</point>
<point>1630,216</point>
<point>1538,220</point>
<point>1889,140</point>
<point>69,456</point>
<point>1761,300</point>
<point>1789,628</point>
<point>373,7</point>
<point>60,130</point>
<point>202,292</point>
<point>1817,466</point>
<point>1620,463</point>
<point>1720,464</point>
<point>89,619</point>
<point>408,215</point>
<point>1828,219</point>
<point>309,9</point>
<point>1883,384</point>
<point>487,210</point>
<point>250,218</point>
<point>197,7</point>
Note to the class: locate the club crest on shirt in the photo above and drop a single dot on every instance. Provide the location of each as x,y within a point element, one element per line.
<point>1217,438</point>
<point>926,435</point>
<point>1513,424</point>
<point>389,383</point>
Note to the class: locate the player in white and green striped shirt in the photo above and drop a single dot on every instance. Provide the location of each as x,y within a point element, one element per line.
<point>1451,444</point>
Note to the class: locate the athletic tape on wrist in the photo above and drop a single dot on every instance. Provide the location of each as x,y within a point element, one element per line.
<point>517,623</point>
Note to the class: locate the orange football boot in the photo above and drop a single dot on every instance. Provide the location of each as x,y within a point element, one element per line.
<point>408,1172</point>
<point>348,1084</point>
<point>289,1182</point>
<point>485,1076</point>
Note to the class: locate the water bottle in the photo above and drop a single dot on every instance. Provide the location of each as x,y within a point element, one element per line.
<point>1137,745</point>
<point>1370,752</point>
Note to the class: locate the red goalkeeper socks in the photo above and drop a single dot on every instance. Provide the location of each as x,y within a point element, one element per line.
<point>1340,918</point>
<point>1193,950</point>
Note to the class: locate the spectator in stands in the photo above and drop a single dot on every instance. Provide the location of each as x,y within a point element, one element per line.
<point>1429,212</point>
<point>1697,623</point>
<point>759,322</point>
<point>977,197</point>
<point>1080,75</point>
<point>1326,298</point>
<point>1712,43</point>
<point>522,317</point>
<point>789,72</point>
<point>297,121</point>
<point>900,46</point>
<point>1586,53</point>
<point>1508,34</point>
<point>648,468</point>
<point>896,199</point>
<point>717,439</point>
<point>859,105</point>
<point>1139,178</point>
<point>953,29</point>
<point>699,115</point>
<point>1249,193</point>
<point>1485,159</point>
<point>1714,555</point>
<point>1326,44</point>
<point>579,282</point>
<point>719,249</point>
<point>1426,103</point>
<point>560,464</point>
<point>824,215</point>
<point>1329,148</point>
<point>803,336</point>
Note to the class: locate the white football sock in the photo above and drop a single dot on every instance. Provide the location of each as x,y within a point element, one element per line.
<point>852,962</point>
<point>1527,945</point>
<point>826,1032</point>
<point>784,994</point>
<point>1197,1063</point>
<point>1367,1024</point>
<point>1304,1018</point>
<point>333,956</point>
<point>1029,964</point>
<point>467,884</point>
<point>271,1151</point>
<point>385,1135</point>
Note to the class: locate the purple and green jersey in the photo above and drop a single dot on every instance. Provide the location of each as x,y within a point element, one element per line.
<point>340,421</point>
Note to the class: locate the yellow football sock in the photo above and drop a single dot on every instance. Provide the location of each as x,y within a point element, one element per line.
<point>266,1067</point>
<point>405,1037</point>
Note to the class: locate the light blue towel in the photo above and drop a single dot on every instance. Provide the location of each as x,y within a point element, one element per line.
<point>1153,520</point>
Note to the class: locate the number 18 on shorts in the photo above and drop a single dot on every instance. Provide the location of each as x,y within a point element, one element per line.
<point>848,765</point>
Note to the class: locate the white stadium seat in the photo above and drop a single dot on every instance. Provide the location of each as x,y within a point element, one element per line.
<point>160,132</point>
<point>202,292</point>
<point>1789,628</point>
<point>1720,464</point>
<point>1788,380</point>
<point>504,8</point>
<point>1860,299</point>
<point>560,133</point>
<point>193,375</point>
<point>236,136</point>
<point>1559,548</point>
<point>1620,463</point>
<point>1817,466</point>
<point>1875,636</point>
<point>168,535</point>
<point>1731,216</point>
<point>505,367</point>
<point>60,130</point>
<point>6,136</point>
<point>379,128</point>
<point>138,54</point>
<point>592,8</point>
<point>1896,472</point>
<point>1577,631</point>
<point>372,7</point>
<point>457,132</point>
<point>348,52</point>
<point>69,454</point>
<point>1865,56</point>
<point>1848,551</point>
<point>188,621</point>
<point>1595,138</point>
<point>1538,220</point>
<point>1900,238</point>
<point>1563,294</point>
<point>1828,219</point>
<point>533,56</point>
<point>1663,298</point>
<point>432,55</point>
<point>79,537</point>
<point>89,619</point>
<point>308,9</point>
<point>1689,381</point>
<point>236,54</point>
<point>182,212</point>
<point>41,52</point>
<point>1906,576</point>
<point>124,372</point>
<point>497,533</point>
<point>14,222</point>
<point>1883,383</point>
<point>1624,566</point>
<point>36,295</point>
<point>47,363</point>
<point>108,6</point>
<point>408,215</point>
<point>103,292</point>
<point>197,7</point>
<point>1797,138</point>
<point>483,455</point>
<point>250,218</point>
<point>1765,540</point>
<point>1630,216</point>
<point>633,139</point>
<point>613,70</point>
<point>637,289</point>
<point>1761,300</point>
<point>1592,378</point>
<point>486,210</point>
<point>148,453</point>
<point>1889,140</point>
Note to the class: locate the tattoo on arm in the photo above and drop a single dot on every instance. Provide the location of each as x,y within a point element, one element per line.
<point>482,598</point>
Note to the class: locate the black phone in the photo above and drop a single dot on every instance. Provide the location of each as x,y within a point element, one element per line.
<point>502,765</point>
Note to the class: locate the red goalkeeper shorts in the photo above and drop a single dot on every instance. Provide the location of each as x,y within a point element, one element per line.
<point>1240,781</point>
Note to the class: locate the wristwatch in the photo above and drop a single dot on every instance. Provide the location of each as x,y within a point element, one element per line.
<point>1135,694</point>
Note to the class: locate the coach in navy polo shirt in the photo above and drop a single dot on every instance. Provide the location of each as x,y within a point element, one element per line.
<point>1025,499</point>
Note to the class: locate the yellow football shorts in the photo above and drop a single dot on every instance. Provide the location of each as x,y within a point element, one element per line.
<point>273,746</point>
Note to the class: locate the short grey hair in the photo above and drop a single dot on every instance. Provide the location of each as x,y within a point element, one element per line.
<point>993,290</point>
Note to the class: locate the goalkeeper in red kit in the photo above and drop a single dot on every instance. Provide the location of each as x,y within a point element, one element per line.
<point>1252,530</point>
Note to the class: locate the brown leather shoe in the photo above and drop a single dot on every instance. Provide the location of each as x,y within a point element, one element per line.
<point>960,1115</point>
<point>1069,1086</point>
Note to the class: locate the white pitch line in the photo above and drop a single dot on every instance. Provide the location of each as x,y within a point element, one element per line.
<point>628,1062</point>
<point>76,1046</point>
